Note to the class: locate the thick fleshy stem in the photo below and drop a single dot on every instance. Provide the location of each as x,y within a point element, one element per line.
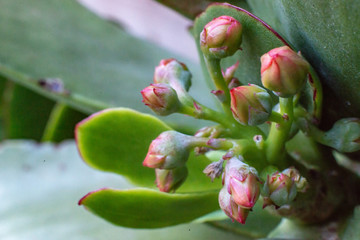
<point>279,132</point>
<point>214,68</point>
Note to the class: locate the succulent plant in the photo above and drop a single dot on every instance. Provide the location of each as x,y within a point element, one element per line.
<point>283,133</point>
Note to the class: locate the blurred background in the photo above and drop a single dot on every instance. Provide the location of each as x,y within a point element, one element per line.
<point>149,20</point>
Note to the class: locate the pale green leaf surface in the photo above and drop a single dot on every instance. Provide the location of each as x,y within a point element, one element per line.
<point>40,186</point>
<point>146,208</point>
<point>100,65</point>
<point>117,140</point>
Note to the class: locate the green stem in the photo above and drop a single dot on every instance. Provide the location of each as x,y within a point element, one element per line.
<point>206,114</point>
<point>214,68</point>
<point>275,117</point>
<point>279,132</point>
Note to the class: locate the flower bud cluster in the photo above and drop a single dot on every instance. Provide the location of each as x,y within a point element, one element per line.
<point>281,187</point>
<point>240,191</point>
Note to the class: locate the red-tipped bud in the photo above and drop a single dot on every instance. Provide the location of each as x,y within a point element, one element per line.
<point>174,73</point>
<point>161,98</point>
<point>221,37</point>
<point>230,71</point>
<point>168,180</point>
<point>250,105</point>
<point>283,71</point>
<point>242,183</point>
<point>169,150</point>
<point>230,208</point>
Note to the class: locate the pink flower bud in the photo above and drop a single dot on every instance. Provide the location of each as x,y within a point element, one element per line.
<point>242,183</point>
<point>168,180</point>
<point>250,105</point>
<point>283,71</point>
<point>161,98</point>
<point>279,189</point>
<point>169,150</point>
<point>174,73</point>
<point>221,37</point>
<point>230,208</point>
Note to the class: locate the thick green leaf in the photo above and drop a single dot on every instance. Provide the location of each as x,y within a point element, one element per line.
<point>28,114</point>
<point>38,198</point>
<point>327,34</point>
<point>145,208</point>
<point>117,140</point>
<point>192,8</point>
<point>99,64</point>
<point>61,124</point>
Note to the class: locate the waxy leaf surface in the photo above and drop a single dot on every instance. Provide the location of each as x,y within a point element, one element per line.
<point>117,140</point>
<point>145,208</point>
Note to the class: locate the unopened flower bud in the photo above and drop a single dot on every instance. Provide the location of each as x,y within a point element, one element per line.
<point>230,208</point>
<point>279,189</point>
<point>174,73</point>
<point>283,71</point>
<point>242,183</point>
<point>161,98</point>
<point>229,72</point>
<point>250,105</point>
<point>169,150</point>
<point>300,182</point>
<point>221,37</point>
<point>168,180</point>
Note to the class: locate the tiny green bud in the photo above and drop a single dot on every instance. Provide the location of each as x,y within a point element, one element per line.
<point>221,37</point>
<point>283,71</point>
<point>250,105</point>
<point>161,98</point>
<point>168,180</point>
<point>174,73</point>
<point>279,189</point>
<point>169,150</point>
